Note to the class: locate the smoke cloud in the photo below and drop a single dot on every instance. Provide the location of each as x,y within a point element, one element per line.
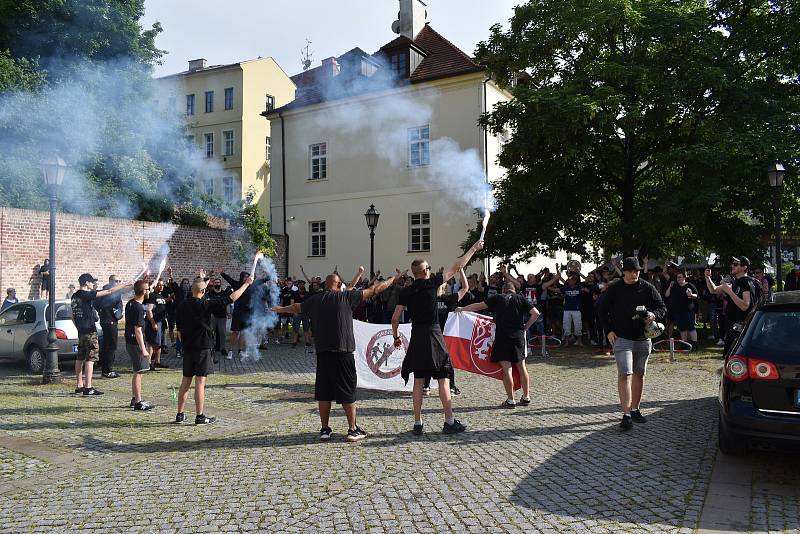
<point>264,296</point>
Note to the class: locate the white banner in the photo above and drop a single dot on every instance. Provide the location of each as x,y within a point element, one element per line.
<point>378,362</point>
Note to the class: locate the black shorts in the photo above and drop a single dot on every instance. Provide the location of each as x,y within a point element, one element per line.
<point>240,321</point>
<point>441,374</point>
<point>197,362</point>
<point>336,377</point>
<point>509,348</point>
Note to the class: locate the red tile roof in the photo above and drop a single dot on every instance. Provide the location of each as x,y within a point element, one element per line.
<point>444,58</point>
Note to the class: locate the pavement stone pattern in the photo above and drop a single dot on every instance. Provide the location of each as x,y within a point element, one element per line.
<point>559,465</point>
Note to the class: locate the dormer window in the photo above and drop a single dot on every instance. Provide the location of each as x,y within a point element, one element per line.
<point>400,63</point>
<point>367,68</point>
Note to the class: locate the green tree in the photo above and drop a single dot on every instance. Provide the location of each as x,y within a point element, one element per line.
<point>643,124</point>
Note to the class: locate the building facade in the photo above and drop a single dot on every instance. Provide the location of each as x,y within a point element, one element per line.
<point>222,106</point>
<point>397,129</point>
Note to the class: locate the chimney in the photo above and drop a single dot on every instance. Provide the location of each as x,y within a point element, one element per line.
<point>331,67</point>
<point>412,17</point>
<point>197,64</point>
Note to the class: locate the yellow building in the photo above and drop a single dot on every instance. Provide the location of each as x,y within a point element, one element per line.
<point>222,106</point>
<point>397,129</point>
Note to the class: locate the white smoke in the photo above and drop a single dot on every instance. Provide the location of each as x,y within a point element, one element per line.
<point>264,297</point>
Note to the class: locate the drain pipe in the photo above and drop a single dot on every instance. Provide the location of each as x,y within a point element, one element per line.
<point>283,191</point>
<point>488,265</point>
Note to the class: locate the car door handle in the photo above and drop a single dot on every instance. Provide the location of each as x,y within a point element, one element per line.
<point>9,331</point>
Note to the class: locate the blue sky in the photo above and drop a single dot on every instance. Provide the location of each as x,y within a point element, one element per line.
<point>235,30</point>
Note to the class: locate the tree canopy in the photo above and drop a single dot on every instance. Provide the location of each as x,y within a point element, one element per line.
<point>644,124</point>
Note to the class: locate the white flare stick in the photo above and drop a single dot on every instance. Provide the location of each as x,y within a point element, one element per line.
<point>255,262</point>
<point>711,259</point>
<point>161,268</point>
<point>486,215</point>
<point>144,270</point>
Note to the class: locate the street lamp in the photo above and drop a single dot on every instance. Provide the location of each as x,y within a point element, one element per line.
<point>372,217</point>
<point>775,173</point>
<point>53,170</point>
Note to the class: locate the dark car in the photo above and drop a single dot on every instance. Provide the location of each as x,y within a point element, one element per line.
<point>759,391</point>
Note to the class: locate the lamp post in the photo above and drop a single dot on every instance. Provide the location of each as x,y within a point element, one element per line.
<point>775,173</point>
<point>53,170</point>
<point>372,217</point>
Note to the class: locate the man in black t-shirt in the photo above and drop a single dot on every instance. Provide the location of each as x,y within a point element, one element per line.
<point>83,315</point>
<point>194,320</point>
<point>156,323</point>
<point>739,297</point>
<point>683,298</point>
<point>509,347</point>
<point>331,314</point>
<point>135,317</point>
<point>110,310</point>
<point>298,297</point>
<point>284,319</point>
<point>427,354</point>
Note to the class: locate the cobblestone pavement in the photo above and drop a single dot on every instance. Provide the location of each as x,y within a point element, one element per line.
<point>73,464</point>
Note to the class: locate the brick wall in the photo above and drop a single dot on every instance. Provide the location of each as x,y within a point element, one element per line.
<point>104,246</point>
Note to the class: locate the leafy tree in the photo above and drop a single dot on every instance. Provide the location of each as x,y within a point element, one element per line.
<point>256,228</point>
<point>643,124</point>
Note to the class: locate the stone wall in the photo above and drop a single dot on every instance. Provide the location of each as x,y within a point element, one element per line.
<point>104,246</point>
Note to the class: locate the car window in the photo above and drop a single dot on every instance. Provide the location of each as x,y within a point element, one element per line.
<point>63,311</point>
<point>775,331</point>
<point>10,316</point>
<point>27,314</point>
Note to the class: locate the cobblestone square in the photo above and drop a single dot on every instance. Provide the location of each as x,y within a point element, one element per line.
<point>73,464</point>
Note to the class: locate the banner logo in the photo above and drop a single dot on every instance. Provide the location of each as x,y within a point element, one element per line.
<point>481,345</point>
<point>383,358</point>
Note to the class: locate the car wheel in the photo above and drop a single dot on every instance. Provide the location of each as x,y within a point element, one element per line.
<point>36,357</point>
<point>729,444</point>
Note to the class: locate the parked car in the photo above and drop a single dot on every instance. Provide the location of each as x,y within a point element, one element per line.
<point>759,393</point>
<point>23,333</point>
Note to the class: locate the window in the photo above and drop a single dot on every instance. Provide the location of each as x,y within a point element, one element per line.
<point>172,104</point>
<point>190,104</point>
<point>227,137</point>
<point>367,68</point>
<point>229,98</point>
<point>209,101</point>
<point>399,63</point>
<point>208,186</point>
<point>209,137</point>
<point>419,232</point>
<point>269,150</point>
<point>227,188</point>
<point>419,148</point>
<point>270,104</point>
<point>318,242</point>
<point>318,161</point>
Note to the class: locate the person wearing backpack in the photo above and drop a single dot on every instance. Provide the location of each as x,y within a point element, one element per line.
<point>740,296</point>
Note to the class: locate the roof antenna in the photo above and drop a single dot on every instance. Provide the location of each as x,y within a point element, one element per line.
<point>306,55</point>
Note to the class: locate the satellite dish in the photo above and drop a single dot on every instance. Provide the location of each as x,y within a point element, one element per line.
<point>396,26</point>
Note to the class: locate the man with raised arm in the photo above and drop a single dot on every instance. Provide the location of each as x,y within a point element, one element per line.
<point>195,324</point>
<point>331,314</point>
<point>427,354</point>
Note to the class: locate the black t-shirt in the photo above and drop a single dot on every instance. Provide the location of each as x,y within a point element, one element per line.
<point>509,312</point>
<point>732,312</point>
<point>679,301</point>
<point>159,303</point>
<point>299,296</point>
<point>286,296</point>
<point>532,292</point>
<point>420,299</point>
<point>588,296</point>
<point>211,295</point>
<point>83,311</point>
<point>194,321</point>
<point>617,308</point>
<point>331,315</point>
<point>135,315</point>
<point>572,296</point>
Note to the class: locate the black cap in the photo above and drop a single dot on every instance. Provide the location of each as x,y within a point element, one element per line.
<point>743,260</point>
<point>85,278</point>
<point>301,282</point>
<point>631,264</point>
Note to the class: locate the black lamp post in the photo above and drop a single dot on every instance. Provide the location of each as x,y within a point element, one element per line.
<point>53,169</point>
<point>775,173</point>
<point>372,217</point>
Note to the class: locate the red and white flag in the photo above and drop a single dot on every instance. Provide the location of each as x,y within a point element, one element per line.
<point>469,338</point>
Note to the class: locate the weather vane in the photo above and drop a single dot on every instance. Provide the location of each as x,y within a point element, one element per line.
<point>307,55</point>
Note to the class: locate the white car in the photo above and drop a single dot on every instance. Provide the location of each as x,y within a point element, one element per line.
<point>23,333</point>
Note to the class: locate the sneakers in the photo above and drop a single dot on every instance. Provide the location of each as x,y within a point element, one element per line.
<point>721,343</point>
<point>418,429</point>
<point>142,406</point>
<point>455,391</point>
<point>426,392</point>
<point>357,434</point>
<point>637,417</point>
<point>203,420</point>
<point>455,428</point>
<point>524,401</point>
<point>325,433</point>
<point>509,404</point>
<point>626,423</point>
<point>159,365</point>
<point>111,375</point>
<point>230,355</point>
<point>133,402</point>
<point>78,391</point>
<point>179,418</point>
<point>91,392</point>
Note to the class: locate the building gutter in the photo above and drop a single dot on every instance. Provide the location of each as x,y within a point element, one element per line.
<point>488,265</point>
<point>283,191</point>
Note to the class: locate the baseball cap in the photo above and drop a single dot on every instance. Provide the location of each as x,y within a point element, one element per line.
<point>86,277</point>
<point>631,264</point>
<point>743,260</point>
